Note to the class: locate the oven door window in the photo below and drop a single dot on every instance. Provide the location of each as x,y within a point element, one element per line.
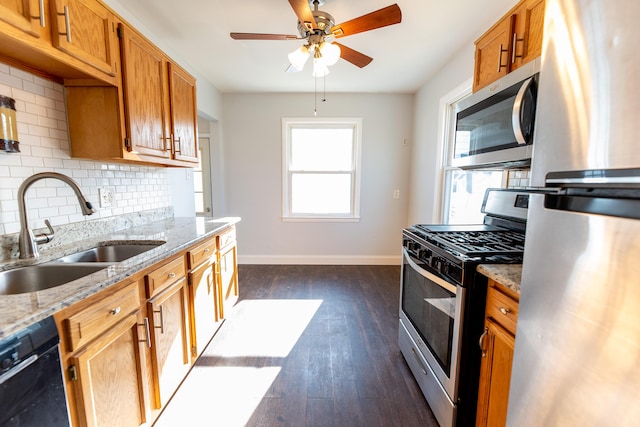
<point>431,310</point>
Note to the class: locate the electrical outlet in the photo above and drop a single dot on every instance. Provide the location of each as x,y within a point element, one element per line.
<point>106,197</point>
<point>396,194</point>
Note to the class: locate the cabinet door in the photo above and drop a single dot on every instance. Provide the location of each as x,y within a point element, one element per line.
<point>25,15</point>
<point>109,377</point>
<point>170,341</point>
<point>495,376</point>
<point>228,279</point>
<point>492,59</point>
<point>203,303</point>
<point>145,95</point>
<point>529,27</point>
<point>85,29</point>
<point>182,90</point>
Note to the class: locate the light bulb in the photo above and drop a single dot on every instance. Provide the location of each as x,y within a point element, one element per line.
<point>299,57</point>
<point>330,53</point>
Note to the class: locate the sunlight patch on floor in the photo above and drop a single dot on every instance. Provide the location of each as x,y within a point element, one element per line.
<point>218,396</point>
<point>265,328</point>
<point>228,395</point>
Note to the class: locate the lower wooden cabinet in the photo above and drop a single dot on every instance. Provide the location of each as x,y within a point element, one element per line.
<point>108,377</point>
<point>126,349</point>
<point>203,306</point>
<point>103,354</point>
<point>497,343</point>
<point>169,340</point>
<point>228,266</point>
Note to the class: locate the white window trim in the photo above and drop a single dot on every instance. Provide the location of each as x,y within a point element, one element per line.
<point>446,136</point>
<point>287,124</point>
<point>446,132</point>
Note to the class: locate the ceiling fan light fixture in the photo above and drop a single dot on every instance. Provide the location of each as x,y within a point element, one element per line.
<point>299,57</point>
<point>330,52</point>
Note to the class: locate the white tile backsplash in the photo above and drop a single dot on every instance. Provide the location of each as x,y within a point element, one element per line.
<point>44,146</point>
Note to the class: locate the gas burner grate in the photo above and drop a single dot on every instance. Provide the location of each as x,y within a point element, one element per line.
<point>481,243</point>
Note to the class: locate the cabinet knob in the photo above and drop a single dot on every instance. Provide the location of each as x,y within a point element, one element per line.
<point>172,274</point>
<point>504,310</point>
<point>114,311</point>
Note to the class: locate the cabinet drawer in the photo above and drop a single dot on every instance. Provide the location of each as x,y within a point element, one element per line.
<point>164,276</point>
<point>502,309</point>
<point>92,321</point>
<point>201,253</point>
<point>227,237</point>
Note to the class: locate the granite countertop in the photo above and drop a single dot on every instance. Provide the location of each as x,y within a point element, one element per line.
<point>21,310</point>
<point>508,275</point>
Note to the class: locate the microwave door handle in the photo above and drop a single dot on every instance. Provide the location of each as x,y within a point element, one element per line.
<point>516,120</point>
<point>435,279</point>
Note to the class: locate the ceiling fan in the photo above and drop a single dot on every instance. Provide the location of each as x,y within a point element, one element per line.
<point>319,30</point>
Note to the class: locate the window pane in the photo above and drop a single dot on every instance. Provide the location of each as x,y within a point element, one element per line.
<point>322,149</point>
<point>199,202</point>
<point>321,193</point>
<point>197,181</point>
<point>467,193</point>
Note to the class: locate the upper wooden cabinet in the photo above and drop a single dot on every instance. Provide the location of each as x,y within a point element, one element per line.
<point>85,29</point>
<point>184,116</point>
<point>160,101</point>
<point>151,118</point>
<point>60,39</point>
<point>28,16</point>
<point>513,41</point>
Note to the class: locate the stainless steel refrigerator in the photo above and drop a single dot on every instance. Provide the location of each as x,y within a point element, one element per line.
<point>577,351</point>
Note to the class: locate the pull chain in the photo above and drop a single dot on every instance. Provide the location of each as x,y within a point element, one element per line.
<point>315,96</point>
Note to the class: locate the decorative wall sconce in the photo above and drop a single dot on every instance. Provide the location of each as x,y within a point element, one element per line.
<point>8,125</point>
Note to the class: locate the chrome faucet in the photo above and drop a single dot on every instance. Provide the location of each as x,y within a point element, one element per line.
<point>27,242</point>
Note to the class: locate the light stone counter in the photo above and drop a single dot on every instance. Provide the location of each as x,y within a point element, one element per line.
<point>19,311</point>
<point>508,275</point>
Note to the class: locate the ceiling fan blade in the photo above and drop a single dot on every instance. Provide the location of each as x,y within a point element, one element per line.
<point>304,13</point>
<point>380,18</point>
<point>257,36</point>
<point>356,58</point>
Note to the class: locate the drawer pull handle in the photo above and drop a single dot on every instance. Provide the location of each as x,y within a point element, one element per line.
<point>114,311</point>
<point>172,275</point>
<point>146,327</point>
<point>500,66</point>
<point>481,341</point>
<point>161,327</point>
<point>66,23</point>
<point>505,311</point>
<point>206,250</point>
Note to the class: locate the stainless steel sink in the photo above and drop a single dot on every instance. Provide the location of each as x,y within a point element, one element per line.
<point>110,252</point>
<point>44,276</point>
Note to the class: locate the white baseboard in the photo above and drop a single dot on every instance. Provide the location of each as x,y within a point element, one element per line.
<point>319,260</point>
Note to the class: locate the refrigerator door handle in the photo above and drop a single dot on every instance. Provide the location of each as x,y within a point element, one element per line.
<point>516,115</point>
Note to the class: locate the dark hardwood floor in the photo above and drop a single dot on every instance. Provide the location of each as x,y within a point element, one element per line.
<point>305,346</point>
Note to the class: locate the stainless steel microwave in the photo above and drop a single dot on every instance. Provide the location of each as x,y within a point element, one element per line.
<point>494,126</point>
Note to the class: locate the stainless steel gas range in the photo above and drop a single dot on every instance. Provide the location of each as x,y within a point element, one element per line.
<point>442,300</point>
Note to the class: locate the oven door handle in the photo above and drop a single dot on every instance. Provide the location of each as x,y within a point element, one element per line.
<point>435,279</point>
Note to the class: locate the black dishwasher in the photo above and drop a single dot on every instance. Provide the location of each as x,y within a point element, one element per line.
<point>31,385</point>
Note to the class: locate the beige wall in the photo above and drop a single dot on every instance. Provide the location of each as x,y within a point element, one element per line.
<point>253,162</point>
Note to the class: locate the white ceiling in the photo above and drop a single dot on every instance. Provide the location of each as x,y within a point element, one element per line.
<point>404,55</point>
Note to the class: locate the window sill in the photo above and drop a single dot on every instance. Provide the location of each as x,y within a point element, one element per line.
<point>319,219</point>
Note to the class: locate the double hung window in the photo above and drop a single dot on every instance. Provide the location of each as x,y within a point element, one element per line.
<point>321,169</point>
